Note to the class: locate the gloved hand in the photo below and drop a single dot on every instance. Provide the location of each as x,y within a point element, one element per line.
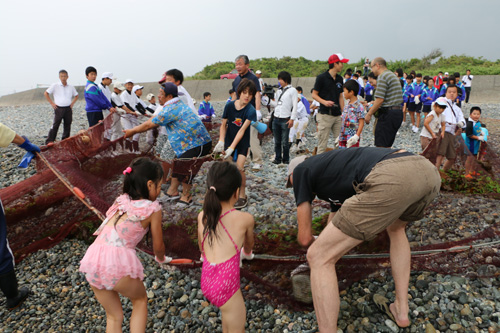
<point>219,148</point>
<point>229,152</point>
<point>259,115</point>
<point>137,113</point>
<point>352,140</point>
<point>461,124</point>
<point>202,116</point>
<point>481,138</point>
<point>164,262</point>
<point>28,146</point>
<point>120,111</point>
<point>337,142</point>
<point>246,256</point>
<point>26,160</point>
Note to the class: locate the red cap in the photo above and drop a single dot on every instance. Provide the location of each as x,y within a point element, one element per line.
<point>336,58</point>
<point>163,78</point>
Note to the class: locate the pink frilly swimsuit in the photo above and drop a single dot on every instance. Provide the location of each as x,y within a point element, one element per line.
<point>112,256</point>
<point>220,281</point>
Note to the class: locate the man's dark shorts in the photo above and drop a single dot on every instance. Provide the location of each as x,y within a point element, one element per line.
<point>387,127</point>
<point>391,191</point>
<point>186,166</point>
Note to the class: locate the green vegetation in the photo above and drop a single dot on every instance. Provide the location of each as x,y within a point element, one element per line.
<point>429,64</point>
<point>458,181</point>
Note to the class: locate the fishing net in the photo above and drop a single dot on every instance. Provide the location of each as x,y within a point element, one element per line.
<point>41,211</point>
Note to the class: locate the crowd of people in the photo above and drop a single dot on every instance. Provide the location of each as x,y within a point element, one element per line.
<point>369,189</point>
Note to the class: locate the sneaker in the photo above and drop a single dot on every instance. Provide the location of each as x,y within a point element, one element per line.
<point>276,162</point>
<point>256,166</point>
<point>241,203</point>
<point>415,129</point>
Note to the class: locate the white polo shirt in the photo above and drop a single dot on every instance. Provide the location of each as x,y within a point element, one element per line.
<point>63,95</point>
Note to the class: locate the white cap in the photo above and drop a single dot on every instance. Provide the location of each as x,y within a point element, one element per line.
<point>129,81</point>
<point>446,73</point>
<point>137,87</point>
<point>107,75</point>
<point>150,96</point>
<point>119,86</point>
<point>258,72</point>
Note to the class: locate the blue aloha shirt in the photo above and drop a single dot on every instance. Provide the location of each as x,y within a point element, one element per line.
<point>184,128</point>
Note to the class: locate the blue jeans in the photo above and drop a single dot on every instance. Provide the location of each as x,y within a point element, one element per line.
<point>281,133</point>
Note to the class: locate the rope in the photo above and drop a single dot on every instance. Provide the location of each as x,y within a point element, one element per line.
<point>66,182</point>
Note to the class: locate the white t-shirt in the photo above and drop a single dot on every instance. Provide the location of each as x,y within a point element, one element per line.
<point>361,82</point>
<point>466,81</point>
<point>261,84</point>
<point>105,91</point>
<point>186,98</point>
<point>116,99</point>
<point>435,124</point>
<point>63,95</point>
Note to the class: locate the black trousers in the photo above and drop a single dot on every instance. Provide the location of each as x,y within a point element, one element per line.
<point>61,113</point>
<point>467,94</point>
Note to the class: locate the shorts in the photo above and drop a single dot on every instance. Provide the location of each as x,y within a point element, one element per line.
<point>388,124</point>
<point>427,108</point>
<point>391,191</point>
<point>186,170</point>
<point>412,107</point>
<point>447,146</point>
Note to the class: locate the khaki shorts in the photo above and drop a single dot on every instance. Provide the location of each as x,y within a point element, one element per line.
<point>397,188</point>
<point>447,146</point>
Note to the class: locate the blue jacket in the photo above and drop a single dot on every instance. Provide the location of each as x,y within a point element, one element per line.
<point>432,93</point>
<point>368,89</point>
<point>417,89</point>
<point>95,99</point>
<point>206,109</point>
<point>461,91</point>
<point>442,92</point>
<point>306,104</point>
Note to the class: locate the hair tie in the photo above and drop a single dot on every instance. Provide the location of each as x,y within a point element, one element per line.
<point>127,170</point>
<point>213,188</point>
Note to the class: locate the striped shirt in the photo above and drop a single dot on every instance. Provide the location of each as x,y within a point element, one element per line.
<point>389,88</point>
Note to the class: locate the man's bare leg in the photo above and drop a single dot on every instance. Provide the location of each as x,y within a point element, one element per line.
<point>400,265</point>
<point>448,164</point>
<point>322,256</point>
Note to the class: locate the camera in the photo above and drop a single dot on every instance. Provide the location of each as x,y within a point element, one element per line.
<point>269,90</point>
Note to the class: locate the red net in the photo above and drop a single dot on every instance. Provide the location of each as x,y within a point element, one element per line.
<point>41,212</point>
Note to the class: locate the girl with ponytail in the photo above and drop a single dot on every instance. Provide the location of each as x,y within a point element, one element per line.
<point>225,237</point>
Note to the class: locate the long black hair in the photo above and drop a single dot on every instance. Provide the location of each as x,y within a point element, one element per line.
<point>223,180</point>
<point>141,170</point>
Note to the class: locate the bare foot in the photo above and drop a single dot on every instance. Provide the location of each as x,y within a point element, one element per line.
<point>401,318</point>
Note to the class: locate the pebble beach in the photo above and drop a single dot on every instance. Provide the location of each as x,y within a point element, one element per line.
<point>62,301</point>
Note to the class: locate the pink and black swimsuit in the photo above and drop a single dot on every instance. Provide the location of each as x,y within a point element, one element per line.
<point>220,281</point>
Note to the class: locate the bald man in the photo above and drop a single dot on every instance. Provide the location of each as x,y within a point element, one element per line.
<point>387,106</point>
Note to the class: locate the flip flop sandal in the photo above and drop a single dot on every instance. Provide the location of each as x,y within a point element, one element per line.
<point>382,304</point>
<point>172,197</point>
<point>184,204</point>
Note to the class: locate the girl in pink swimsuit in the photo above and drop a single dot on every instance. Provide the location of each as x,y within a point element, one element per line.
<point>225,236</point>
<point>110,264</point>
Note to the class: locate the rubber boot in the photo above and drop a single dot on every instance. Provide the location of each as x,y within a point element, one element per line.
<point>135,145</point>
<point>15,296</point>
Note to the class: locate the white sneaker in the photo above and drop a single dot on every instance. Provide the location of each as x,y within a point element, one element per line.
<point>256,167</point>
<point>415,129</point>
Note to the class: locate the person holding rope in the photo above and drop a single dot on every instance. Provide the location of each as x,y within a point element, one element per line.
<point>187,135</point>
<point>8,281</point>
<point>369,190</point>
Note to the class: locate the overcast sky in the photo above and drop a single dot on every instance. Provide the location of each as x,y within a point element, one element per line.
<point>141,39</point>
